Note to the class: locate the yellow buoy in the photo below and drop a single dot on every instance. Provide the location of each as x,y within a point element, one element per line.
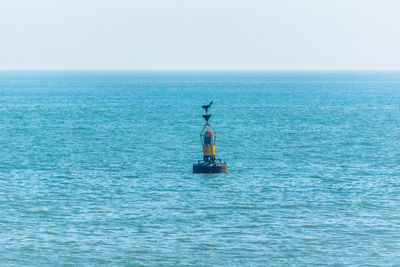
<point>208,137</point>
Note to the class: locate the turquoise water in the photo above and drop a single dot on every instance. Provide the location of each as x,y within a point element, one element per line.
<point>96,168</point>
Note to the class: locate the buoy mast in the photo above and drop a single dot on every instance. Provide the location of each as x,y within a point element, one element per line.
<point>207,137</point>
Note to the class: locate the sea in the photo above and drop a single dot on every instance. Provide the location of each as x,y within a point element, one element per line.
<point>96,169</point>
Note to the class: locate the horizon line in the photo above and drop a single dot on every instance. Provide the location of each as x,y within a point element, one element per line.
<point>209,70</point>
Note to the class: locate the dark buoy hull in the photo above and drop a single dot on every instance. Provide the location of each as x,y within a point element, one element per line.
<point>210,167</point>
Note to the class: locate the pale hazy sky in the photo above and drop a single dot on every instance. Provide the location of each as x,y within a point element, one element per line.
<point>200,35</point>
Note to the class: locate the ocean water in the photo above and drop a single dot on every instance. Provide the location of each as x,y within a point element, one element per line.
<point>96,169</point>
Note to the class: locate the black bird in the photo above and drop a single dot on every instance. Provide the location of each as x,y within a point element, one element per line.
<point>206,107</point>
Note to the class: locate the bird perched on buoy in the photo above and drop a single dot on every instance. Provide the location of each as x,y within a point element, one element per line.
<point>207,136</point>
<point>206,107</point>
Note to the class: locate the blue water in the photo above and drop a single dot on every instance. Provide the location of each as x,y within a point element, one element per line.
<point>96,168</point>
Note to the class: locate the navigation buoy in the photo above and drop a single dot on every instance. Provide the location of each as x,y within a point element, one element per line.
<point>207,136</point>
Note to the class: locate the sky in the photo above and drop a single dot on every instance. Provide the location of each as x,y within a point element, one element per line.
<point>200,35</point>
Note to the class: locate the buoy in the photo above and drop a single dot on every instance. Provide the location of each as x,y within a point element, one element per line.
<point>209,164</point>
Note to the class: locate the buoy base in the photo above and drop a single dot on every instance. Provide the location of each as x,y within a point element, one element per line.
<point>210,167</point>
